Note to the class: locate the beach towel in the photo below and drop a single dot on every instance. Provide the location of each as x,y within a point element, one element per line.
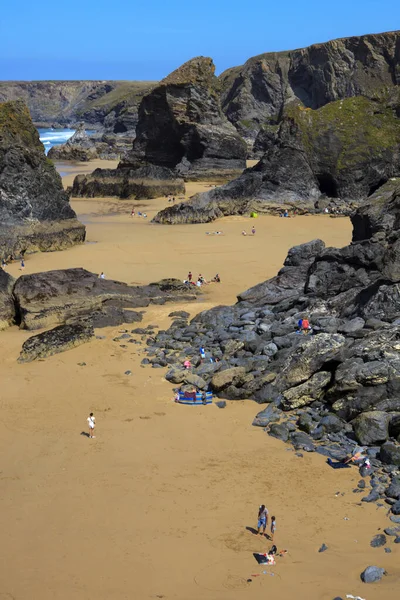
<point>337,465</point>
<point>264,559</point>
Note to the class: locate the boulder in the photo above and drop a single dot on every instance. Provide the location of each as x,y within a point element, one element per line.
<point>223,379</point>
<point>310,357</point>
<point>378,541</point>
<point>279,431</point>
<point>54,297</point>
<point>372,574</point>
<point>306,392</point>
<point>35,214</point>
<point>372,427</point>
<point>269,415</point>
<point>192,379</point>
<point>390,454</point>
<point>7,307</point>
<point>59,339</point>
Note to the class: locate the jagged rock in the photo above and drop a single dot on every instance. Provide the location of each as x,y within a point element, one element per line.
<point>79,147</point>
<point>372,574</point>
<point>279,431</point>
<point>198,382</point>
<point>144,182</point>
<point>372,427</point>
<point>390,454</point>
<point>181,126</point>
<point>306,392</point>
<point>59,339</point>
<point>223,379</point>
<point>269,415</point>
<point>254,94</point>
<point>393,491</point>
<point>176,375</point>
<point>7,307</point>
<point>55,297</point>
<point>34,209</point>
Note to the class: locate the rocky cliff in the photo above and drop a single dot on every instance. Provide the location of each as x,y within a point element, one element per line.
<point>255,94</point>
<point>181,133</point>
<point>111,105</point>
<point>35,213</point>
<point>181,126</point>
<point>329,388</point>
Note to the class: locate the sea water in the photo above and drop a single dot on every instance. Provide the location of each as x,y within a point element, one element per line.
<point>54,137</point>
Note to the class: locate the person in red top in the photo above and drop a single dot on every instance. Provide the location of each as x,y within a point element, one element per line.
<point>305,326</point>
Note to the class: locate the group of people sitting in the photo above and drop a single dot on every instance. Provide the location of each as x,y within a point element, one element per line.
<point>201,280</point>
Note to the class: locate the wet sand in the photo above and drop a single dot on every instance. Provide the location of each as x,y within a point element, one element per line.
<point>158,504</point>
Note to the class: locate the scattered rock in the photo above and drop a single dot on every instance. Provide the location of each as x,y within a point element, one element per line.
<point>323,548</point>
<point>372,574</point>
<point>378,541</point>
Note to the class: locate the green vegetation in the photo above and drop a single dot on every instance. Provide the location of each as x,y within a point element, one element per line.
<point>351,129</point>
<point>16,125</point>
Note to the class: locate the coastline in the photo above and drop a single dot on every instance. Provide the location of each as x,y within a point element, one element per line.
<point>160,502</point>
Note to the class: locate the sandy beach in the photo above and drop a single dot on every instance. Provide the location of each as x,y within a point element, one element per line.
<point>158,505</point>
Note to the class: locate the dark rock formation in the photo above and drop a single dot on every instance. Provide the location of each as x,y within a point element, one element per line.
<point>83,147</point>
<point>34,209</point>
<point>254,95</point>
<point>56,297</point>
<point>59,339</point>
<point>181,126</point>
<point>327,124</point>
<point>181,133</point>
<point>143,183</point>
<point>372,574</point>
<point>7,308</point>
<point>336,385</point>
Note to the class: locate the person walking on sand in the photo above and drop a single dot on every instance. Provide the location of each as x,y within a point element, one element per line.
<point>273,528</point>
<point>22,267</point>
<point>262,519</point>
<point>190,277</point>
<point>132,212</point>
<point>92,424</point>
<point>253,230</point>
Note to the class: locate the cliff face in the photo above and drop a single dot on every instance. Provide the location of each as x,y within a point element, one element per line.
<point>327,126</point>
<point>109,104</point>
<point>254,95</point>
<point>181,126</point>
<point>34,209</point>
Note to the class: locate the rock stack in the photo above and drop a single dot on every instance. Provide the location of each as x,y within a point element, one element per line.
<point>182,133</point>
<point>35,213</point>
<point>329,389</point>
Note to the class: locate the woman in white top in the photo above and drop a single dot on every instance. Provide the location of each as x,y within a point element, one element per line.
<point>92,424</point>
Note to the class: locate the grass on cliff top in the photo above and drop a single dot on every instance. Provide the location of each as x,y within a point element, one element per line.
<point>129,91</point>
<point>16,125</point>
<point>356,128</point>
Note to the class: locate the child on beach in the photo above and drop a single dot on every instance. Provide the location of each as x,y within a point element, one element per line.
<point>22,264</point>
<point>92,424</point>
<point>262,519</point>
<point>273,528</point>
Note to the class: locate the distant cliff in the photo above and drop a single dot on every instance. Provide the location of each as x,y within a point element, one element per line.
<point>109,104</point>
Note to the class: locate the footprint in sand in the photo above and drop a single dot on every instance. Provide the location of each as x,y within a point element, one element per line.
<point>160,414</point>
<point>145,417</point>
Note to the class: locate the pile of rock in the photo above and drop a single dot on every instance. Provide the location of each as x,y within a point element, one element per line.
<point>333,388</point>
<point>82,147</point>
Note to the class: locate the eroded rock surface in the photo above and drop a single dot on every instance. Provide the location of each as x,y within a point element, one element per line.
<point>35,213</point>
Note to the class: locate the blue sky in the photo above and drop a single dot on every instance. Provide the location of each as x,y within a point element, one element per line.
<point>127,39</point>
